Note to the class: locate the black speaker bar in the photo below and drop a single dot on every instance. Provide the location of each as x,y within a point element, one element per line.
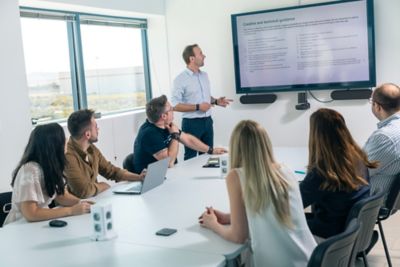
<point>258,99</point>
<point>351,94</point>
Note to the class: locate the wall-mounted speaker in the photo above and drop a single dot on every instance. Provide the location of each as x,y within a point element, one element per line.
<point>351,94</point>
<point>258,99</point>
<point>103,228</point>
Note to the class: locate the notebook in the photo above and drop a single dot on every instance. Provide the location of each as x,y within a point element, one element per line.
<point>154,177</point>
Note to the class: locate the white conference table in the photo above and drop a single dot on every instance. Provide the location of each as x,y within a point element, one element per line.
<point>295,158</point>
<point>38,245</point>
<point>177,203</point>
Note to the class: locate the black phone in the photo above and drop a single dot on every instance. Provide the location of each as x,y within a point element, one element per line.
<point>57,223</point>
<point>166,231</point>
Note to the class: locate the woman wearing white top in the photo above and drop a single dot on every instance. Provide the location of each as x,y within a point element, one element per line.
<point>38,179</point>
<point>265,203</point>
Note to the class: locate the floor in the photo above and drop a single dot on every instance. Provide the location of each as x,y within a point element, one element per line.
<point>376,258</point>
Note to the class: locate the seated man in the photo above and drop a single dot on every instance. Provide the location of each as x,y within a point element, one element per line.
<point>384,143</point>
<point>85,161</point>
<point>159,137</point>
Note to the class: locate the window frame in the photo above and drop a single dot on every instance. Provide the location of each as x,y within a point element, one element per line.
<point>73,22</point>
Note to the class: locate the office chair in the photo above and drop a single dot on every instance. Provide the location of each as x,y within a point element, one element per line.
<point>366,212</point>
<point>338,250</point>
<point>128,162</point>
<point>5,206</point>
<point>392,204</point>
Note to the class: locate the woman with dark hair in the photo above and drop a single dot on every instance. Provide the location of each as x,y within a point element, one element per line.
<point>337,174</point>
<point>38,179</point>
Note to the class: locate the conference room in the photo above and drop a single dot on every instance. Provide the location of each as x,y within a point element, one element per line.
<point>58,56</point>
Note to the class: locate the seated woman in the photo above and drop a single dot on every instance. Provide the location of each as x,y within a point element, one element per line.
<point>38,179</point>
<point>265,203</point>
<point>337,175</point>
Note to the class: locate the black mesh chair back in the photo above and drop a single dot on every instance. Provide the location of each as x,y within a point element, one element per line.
<point>366,212</point>
<point>336,251</point>
<point>128,163</point>
<point>392,204</point>
<point>5,206</point>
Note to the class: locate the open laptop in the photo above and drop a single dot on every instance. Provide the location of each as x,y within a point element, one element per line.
<point>155,176</point>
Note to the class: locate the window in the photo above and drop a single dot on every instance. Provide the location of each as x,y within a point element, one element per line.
<point>113,68</point>
<point>48,69</point>
<point>78,61</point>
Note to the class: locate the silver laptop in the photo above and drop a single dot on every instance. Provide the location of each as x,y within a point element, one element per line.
<point>155,176</point>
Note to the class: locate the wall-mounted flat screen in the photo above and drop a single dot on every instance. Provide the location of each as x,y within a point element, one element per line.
<point>320,46</point>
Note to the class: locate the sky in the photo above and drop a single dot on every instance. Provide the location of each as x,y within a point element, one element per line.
<point>46,46</point>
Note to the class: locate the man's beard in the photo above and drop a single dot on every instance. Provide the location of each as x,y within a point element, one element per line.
<point>93,140</point>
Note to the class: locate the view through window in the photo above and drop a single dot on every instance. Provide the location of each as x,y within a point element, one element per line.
<point>60,54</point>
<point>114,70</point>
<point>48,69</point>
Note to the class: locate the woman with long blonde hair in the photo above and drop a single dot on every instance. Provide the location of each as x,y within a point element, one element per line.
<point>337,174</point>
<point>265,203</point>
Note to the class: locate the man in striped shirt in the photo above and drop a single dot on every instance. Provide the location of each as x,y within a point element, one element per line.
<point>384,143</point>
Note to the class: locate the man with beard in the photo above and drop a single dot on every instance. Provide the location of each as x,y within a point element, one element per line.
<point>85,161</point>
<point>159,137</point>
<point>191,95</point>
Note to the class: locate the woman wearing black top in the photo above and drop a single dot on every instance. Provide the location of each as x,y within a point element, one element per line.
<point>337,174</point>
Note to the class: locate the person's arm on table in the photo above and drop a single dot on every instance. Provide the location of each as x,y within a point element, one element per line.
<point>194,143</point>
<point>33,213</point>
<point>237,231</point>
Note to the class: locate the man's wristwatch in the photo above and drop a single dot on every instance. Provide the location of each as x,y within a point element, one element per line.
<point>210,150</point>
<point>215,102</point>
<point>176,135</point>
<point>197,107</point>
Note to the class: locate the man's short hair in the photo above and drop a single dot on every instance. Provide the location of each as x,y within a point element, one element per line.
<point>155,108</point>
<point>80,121</point>
<point>389,100</point>
<point>188,52</point>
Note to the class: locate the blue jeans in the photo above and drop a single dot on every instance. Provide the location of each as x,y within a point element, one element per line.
<point>202,128</point>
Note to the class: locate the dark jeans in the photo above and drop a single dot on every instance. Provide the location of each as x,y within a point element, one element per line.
<point>202,128</point>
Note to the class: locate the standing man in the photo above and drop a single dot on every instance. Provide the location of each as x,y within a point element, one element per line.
<point>159,137</point>
<point>191,95</point>
<point>85,161</point>
<point>384,143</point>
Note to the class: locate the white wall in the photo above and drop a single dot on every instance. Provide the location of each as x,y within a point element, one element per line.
<point>207,23</point>
<point>14,107</point>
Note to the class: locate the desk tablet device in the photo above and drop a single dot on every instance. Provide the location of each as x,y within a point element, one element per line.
<point>212,162</point>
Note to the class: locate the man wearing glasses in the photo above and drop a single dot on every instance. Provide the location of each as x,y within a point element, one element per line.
<point>384,143</point>
<point>159,137</point>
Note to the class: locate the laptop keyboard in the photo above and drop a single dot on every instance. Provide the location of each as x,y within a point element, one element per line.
<point>136,187</point>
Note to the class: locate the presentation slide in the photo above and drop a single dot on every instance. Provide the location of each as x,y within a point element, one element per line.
<point>322,44</point>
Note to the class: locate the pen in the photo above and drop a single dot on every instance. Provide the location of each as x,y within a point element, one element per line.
<point>300,172</point>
